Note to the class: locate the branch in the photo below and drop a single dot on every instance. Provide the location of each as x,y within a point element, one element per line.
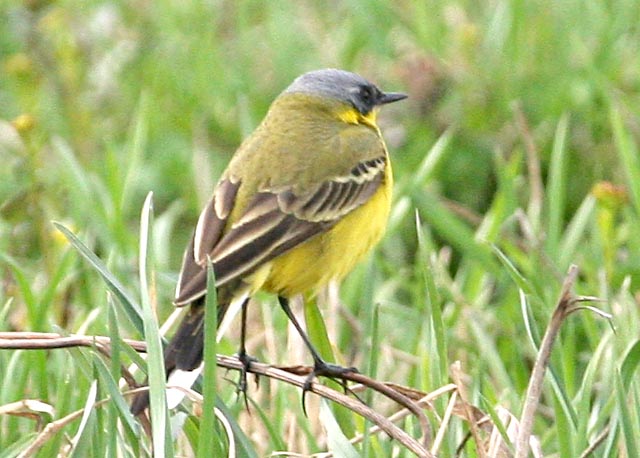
<point>291,375</point>
<point>382,388</point>
<point>563,309</point>
<point>287,375</point>
<point>51,340</point>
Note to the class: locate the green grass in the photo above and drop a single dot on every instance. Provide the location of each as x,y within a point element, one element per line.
<point>103,102</point>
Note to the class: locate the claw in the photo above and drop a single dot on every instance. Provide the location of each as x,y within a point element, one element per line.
<point>241,388</point>
<point>331,371</point>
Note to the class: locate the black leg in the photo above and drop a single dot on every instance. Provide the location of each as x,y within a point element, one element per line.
<point>320,366</point>
<point>244,358</point>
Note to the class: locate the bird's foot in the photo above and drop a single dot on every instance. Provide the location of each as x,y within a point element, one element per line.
<point>324,369</point>
<point>241,388</point>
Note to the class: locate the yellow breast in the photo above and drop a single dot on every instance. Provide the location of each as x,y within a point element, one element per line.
<point>330,255</point>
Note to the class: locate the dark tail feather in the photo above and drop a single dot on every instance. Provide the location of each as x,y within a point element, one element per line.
<point>183,352</point>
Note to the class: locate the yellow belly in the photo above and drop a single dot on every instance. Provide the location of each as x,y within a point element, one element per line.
<point>331,255</point>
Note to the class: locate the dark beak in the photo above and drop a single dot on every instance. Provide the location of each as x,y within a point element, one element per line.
<point>390,97</point>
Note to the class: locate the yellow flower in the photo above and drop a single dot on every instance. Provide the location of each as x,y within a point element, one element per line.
<point>24,123</point>
<point>610,195</point>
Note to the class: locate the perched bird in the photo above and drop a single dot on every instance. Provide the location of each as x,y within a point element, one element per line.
<point>303,199</point>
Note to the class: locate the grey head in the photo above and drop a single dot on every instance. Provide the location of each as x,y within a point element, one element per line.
<point>344,86</point>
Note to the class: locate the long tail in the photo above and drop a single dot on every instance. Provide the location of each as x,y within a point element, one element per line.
<point>184,351</point>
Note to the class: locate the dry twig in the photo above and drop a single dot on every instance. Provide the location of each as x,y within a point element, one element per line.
<point>456,374</point>
<point>31,341</point>
<point>562,310</point>
<point>533,165</point>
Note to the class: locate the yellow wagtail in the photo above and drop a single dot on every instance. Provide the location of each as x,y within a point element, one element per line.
<point>303,199</point>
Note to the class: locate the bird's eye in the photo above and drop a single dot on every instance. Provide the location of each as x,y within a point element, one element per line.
<point>367,95</point>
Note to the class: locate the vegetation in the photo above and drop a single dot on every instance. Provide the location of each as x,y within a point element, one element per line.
<point>516,156</point>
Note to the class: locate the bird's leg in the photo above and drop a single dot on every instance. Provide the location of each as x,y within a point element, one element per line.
<point>320,366</point>
<point>244,358</point>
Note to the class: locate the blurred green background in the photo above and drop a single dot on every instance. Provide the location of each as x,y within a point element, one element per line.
<point>104,101</point>
<point>205,72</point>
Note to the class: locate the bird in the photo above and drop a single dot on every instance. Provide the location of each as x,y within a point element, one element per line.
<point>303,199</point>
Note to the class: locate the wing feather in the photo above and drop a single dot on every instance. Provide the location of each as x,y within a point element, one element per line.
<point>206,235</point>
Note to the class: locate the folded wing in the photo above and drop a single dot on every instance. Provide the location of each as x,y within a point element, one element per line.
<point>275,220</point>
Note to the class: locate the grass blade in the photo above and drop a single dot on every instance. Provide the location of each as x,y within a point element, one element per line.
<point>114,335</point>
<point>628,153</point>
<point>86,416</point>
<point>452,229</point>
<point>209,443</point>
<point>131,308</point>
<point>433,304</point>
<point>431,160</point>
<point>116,397</point>
<point>575,232</point>
<point>513,271</point>
<point>372,368</point>
<point>337,442</point>
<point>630,431</point>
<point>160,431</point>
<point>556,187</point>
<point>630,364</point>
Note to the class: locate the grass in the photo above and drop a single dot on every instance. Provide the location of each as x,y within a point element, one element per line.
<point>103,102</point>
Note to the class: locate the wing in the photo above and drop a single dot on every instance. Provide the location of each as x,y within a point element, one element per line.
<point>208,232</point>
<point>275,220</point>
